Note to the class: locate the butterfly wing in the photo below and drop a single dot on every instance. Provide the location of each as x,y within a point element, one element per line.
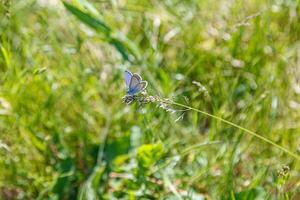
<point>135,80</point>
<point>139,87</point>
<point>142,85</point>
<point>136,84</point>
<point>127,77</point>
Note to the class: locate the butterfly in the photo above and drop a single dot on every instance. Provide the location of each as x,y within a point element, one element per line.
<point>134,83</point>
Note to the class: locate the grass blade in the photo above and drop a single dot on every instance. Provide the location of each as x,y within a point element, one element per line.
<point>87,19</point>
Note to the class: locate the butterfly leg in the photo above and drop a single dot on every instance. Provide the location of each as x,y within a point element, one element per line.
<point>129,99</point>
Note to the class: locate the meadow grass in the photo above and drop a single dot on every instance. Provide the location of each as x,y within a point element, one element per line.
<point>226,124</point>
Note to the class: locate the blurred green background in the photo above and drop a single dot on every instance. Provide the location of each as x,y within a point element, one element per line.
<point>66,134</point>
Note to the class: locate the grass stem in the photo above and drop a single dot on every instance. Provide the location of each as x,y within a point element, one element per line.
<point>236,126</point>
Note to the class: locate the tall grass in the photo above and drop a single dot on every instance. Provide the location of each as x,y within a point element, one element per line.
<point>66,134</point>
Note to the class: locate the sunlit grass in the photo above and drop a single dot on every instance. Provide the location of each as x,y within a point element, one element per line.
<point>229,69</point>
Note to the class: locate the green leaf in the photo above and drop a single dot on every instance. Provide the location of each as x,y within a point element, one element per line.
<point>89,20</point>
<point>123,45</point>
<point>129,45</point>
<point>88,6</point>
<point>120,47</point>
<point>33,139</point>
<point>88,190</point>
<point>148,154</point>
<point>250,194</point>
<point>5,57</point>
<point>65,167</point>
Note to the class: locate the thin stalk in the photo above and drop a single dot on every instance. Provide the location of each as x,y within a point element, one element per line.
<point>103,138</point>
<point>236,126</point>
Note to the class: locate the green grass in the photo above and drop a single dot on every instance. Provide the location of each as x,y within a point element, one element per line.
<point>230,129</point>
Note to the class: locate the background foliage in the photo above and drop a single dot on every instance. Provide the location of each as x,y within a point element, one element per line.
<point>65,133</point>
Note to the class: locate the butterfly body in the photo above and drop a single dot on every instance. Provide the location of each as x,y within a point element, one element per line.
<point>134,83</point>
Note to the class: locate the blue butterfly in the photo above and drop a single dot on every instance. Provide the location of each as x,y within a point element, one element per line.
<point>134,83</point>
